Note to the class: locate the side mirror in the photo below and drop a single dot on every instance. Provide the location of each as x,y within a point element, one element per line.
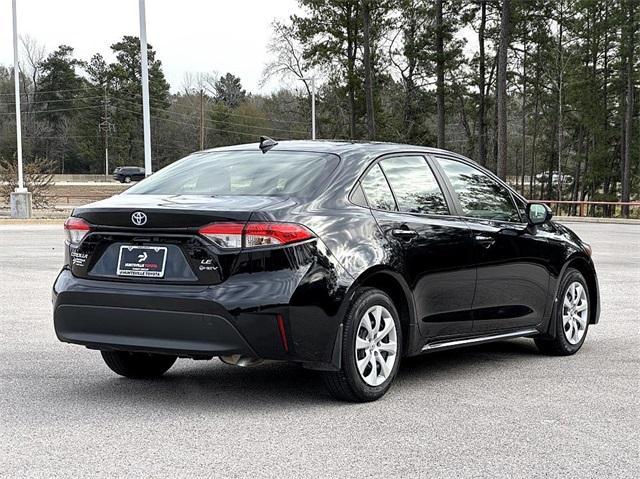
<point>538,213</point>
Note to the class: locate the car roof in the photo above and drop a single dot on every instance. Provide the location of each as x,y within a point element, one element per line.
<point>356,153</point>
<point>339,147</point>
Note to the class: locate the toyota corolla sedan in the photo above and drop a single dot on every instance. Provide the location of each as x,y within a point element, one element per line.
<point>343,257</point>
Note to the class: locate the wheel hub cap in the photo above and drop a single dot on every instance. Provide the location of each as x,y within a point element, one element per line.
<point>575,312</point>
<point>376,345</point>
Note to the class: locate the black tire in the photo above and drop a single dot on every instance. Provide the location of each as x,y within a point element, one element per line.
<point>127,179</point>
<point>138,365</point>
<point>347,384</point>
<point>559,345</point>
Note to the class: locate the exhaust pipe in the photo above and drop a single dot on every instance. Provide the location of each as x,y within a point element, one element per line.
<point>240,360</point>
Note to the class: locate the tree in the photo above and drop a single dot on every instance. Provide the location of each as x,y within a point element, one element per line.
<point>406,53</point>
<point>505,25</point>
<point>440,65</point>
<point>368,69</point>
<point>331,33</point>
<point>629,47</point>
<point>125,87</point>
<point>60,85</point>
<point>228,90</point>
<point>287,54</point>
<point>482,77</point>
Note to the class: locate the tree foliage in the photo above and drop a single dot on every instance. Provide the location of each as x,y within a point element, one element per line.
<point>415,71</point>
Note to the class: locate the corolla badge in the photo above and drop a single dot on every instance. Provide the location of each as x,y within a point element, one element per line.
<point>138,218</point>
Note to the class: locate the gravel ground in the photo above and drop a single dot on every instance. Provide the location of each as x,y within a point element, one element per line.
<point>499,410</point>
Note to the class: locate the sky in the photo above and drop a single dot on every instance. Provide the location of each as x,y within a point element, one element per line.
<point>213,36</point>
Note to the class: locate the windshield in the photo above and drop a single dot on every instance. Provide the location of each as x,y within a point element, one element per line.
<point>276,173</point>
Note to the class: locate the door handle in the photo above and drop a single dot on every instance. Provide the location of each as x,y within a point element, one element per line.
<point>484,238</point>
<point>485,241</point>
<point>404,233</point>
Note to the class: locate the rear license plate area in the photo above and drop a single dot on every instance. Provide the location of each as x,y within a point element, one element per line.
<point>142,261</point>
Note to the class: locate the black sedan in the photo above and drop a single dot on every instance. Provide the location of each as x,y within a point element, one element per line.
<point>343,257</point>
<point>127,174</point>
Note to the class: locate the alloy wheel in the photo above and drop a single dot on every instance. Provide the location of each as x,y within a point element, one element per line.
<point>575,312</point>
<point>376,345</point>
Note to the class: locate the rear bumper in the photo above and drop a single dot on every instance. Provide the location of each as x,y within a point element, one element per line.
<point>191,321</point>
<point>151,330</point>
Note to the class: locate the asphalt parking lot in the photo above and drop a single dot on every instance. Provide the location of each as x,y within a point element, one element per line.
<point>499,410</point>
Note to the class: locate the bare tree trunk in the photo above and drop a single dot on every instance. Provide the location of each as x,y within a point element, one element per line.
<point>482,120</point>
<point>628,117</point>
<point>440,73</point>
<point>524,113</point>
<point>560,102</point>
<point>352,48</point>
<point>536,111</point>
<point>409,116</point>
<point>368,73</point>
<point>552,163</point>
<point>352,100</point>
<point>505,21</point>
<point>605,94</point>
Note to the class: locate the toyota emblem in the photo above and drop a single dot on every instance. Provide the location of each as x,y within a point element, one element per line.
<point>138,218</point>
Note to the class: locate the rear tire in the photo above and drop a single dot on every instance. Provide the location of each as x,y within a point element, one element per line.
<point>371,349</point>
<point>571,317</point>
<point>138,365</point>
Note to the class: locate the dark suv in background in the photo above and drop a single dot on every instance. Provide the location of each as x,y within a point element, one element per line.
<point>342,257</point>
<point>127,174</point>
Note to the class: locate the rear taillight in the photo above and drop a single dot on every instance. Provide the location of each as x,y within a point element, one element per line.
<point>76,229</point>
<point>255,235</point>
<point>225,235</point>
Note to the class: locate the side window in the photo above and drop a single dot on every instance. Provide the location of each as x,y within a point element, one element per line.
<point>414,185</point>
<point>376,188</point>
<point>521,205</point>
<point>479,195</point>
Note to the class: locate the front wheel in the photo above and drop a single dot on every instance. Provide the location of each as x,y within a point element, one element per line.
<point>138,365</point>
<point>127,179</point>
<point>371,349</point>
<point>571,319</point>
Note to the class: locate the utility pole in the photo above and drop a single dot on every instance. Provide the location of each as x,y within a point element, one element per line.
<point>20,199</point>
<point>201,119</point>
<point>312,82</point>
<point>107,127</point>
<point>313,108</point>
<point>146,117</point>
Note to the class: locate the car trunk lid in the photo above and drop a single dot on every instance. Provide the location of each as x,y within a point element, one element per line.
<point>151,238</point>
<point>174,212</point>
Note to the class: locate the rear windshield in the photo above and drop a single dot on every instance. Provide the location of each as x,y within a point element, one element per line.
<point>276,173</point>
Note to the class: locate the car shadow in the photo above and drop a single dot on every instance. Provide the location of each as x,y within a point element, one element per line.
<point>211,384</point>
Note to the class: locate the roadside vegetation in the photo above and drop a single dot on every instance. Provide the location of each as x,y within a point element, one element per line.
<point>525,87</point>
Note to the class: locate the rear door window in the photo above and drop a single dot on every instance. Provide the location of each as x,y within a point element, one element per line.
<point>377,190</point>
<point>414,185</point>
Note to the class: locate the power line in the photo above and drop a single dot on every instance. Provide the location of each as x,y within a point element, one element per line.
<point>136,95</point>
<point>213,121</point>
<point>48,91</point>
<point>164,110</point>
<point>253,135</point>
<point>52,101</point>
<point>209,110</point>
<point>55,111</point>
